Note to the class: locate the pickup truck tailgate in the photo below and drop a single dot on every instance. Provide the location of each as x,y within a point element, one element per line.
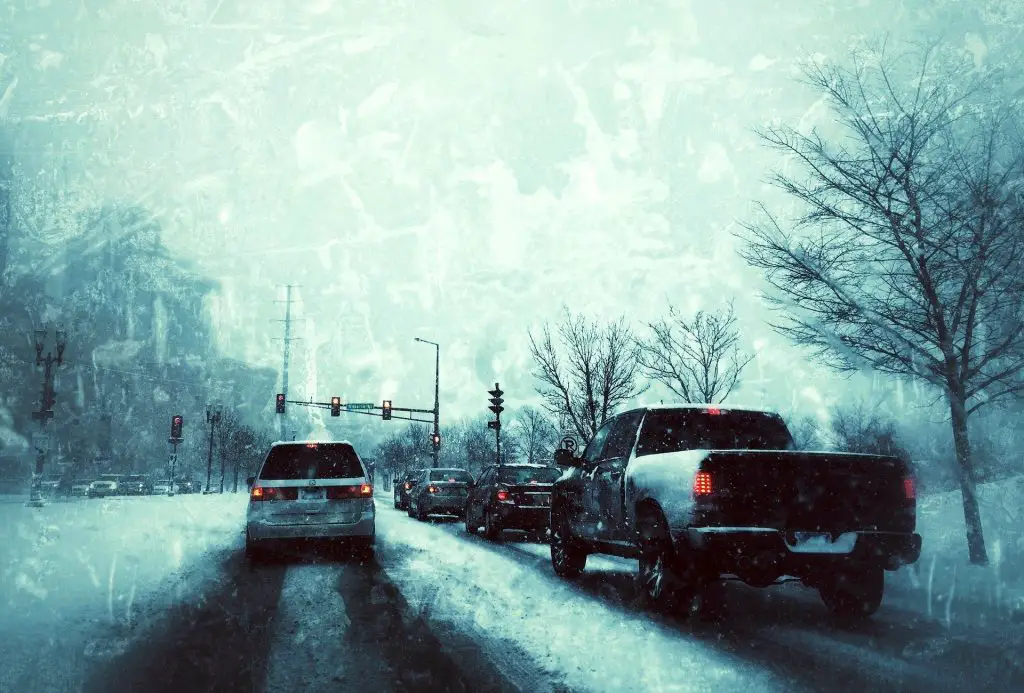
<point>806,492</point>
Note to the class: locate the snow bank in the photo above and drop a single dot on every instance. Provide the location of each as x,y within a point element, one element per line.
<point>494,595</point>
<point>943,583</point>
<point>97,559</point>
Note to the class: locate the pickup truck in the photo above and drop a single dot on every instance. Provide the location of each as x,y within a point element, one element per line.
<point>698,492</point>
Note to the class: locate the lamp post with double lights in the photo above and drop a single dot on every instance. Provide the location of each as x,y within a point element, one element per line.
<point>48,398</point>
<point>435,437</point>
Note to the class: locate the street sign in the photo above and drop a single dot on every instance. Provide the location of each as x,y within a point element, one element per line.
<point>569,443</point>
<point>361,406</point>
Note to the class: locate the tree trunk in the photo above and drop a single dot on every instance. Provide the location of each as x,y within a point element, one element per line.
<point>965,472</point>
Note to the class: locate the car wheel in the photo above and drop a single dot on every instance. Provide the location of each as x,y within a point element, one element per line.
<point>471,524</point>
<point>668,580</point>
<point>421,514</point>
<point>254,552</point>
<point>492,526</point>
<point>398,503</point>
<point>409,509</point>
<point>853,592</point>
<point>568,557</point>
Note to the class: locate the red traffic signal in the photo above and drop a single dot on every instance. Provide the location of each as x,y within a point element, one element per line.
<point>386,410</point>
<point>280,403</point>
<point>435,439</point>
<point>176,424</point>
<point>335,406</point>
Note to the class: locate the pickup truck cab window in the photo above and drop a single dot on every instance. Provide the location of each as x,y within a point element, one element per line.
<point>592,453</point>
<point>696,429</point>
<point>622,436</point>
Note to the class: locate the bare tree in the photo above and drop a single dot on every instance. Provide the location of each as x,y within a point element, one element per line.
<point>861,428</point>
<point>908,256</point>
<point>698,359</point>
<point>599,373</point>
<point>536,434</point>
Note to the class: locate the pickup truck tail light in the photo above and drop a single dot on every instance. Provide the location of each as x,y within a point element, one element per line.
<point>503,496</point>
<point>272,493</point>
<point>702,485</point>
<point>909,488</point>
<point>431,489</point>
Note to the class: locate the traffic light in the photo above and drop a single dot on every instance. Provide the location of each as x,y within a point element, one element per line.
<point>435,440</point>
<point>386,410</point>
<point>496,400</point>
<point>176,424</point>
<point>335,406</point>
<point>280,403</point>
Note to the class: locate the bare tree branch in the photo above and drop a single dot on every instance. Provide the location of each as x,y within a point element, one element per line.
<point>700,359</point>
<point>599,374</point>
<point>908,254</point>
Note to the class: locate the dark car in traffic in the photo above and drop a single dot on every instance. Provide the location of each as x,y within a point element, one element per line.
<point>439,492</point>
<point>404,485</point>
<point>135,485</point>
<point>512,496</point>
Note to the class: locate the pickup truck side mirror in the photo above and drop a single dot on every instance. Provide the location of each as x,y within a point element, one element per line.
<point>565,458</point>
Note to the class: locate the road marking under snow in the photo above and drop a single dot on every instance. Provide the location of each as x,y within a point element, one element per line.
<point>307,649</point>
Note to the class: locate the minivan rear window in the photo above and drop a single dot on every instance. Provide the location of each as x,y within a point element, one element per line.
<point>313,461</point>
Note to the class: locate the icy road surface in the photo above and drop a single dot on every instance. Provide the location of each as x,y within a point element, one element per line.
<point>152,594</point>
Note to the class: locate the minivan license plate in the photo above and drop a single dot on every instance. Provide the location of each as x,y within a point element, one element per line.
<point>312,494</point>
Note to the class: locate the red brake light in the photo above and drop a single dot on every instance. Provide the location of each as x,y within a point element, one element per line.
<point>702,484</point>
<point>311,445</point>
<point>909,488</point>
<point>408,485</point>
<point>431,489</point>
<point>273,493</point>
<point>366,490</point>
<point>256,493</point>
<point>714,411</point>
<point>502,495</point>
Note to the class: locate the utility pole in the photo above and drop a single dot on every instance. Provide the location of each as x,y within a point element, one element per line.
<point>47,400</point>
<point>496,407</point>
<point>212,418</point>
<point>436,435</point>
<point>288,339</point>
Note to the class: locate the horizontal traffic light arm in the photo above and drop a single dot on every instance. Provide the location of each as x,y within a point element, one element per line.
<point>327,405</point>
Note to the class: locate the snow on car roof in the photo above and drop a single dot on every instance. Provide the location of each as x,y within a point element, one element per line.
<point>312,442</point>
<point>726,407</point>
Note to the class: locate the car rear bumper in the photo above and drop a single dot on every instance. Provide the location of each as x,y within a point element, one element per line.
<point>518,517</point>
<point>364,527</point>
<point>451,505</point>
<point>731,547</point>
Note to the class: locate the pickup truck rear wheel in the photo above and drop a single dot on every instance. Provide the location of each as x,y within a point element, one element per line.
<point>853,592</point>
<point>668,580</point>
<point>568,557</point>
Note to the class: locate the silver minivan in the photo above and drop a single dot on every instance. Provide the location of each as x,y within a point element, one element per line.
<point>310,490</point>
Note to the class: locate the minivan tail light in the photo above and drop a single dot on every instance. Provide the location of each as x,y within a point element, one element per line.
<point>702,484</point>
<point>272,493</point>
<point>344,492</point>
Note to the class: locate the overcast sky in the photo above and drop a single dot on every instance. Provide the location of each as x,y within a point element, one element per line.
<point>453,171</point>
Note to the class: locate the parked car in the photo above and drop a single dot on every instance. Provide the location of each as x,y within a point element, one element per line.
<point>162,488</point>
<point>80,488</point>
<point>512,496</point>
<point>186,486</point>
<point>135,485</point>
<point>696,492</point>
<point>102,488</point>
<point>439,492</point>
<point>310,490</point>
<point>403,486</point>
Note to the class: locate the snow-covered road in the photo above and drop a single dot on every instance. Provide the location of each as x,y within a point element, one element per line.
<point>153,594</point>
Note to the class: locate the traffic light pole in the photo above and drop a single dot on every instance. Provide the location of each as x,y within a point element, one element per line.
<point>436,436</point>
<point>45,413</point>
<point>174,463</point>
<point>212,418</point>
<point>496,402</point>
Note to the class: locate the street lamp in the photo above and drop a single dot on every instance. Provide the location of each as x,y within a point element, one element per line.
<point>437,395</point>
<point>47,401</point>
<point>212,418</point>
